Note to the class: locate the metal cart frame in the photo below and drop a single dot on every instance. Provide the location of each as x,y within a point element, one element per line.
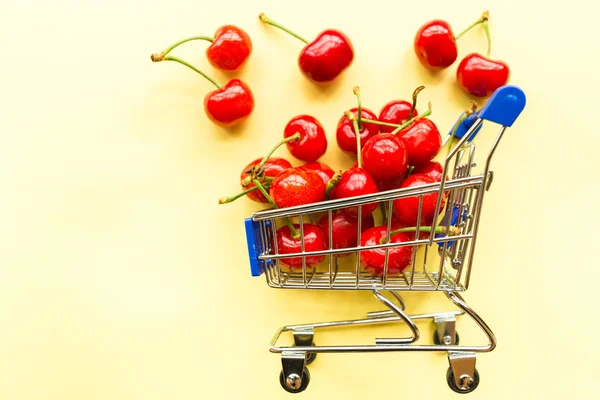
<point>465,194</point>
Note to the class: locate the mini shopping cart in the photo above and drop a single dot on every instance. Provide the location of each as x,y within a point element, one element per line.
<point>444,265</point>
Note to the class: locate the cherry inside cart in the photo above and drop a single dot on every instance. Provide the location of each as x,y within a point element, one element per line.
<point>448,270</point>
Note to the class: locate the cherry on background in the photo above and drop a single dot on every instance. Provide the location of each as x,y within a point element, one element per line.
<point>326,57</point>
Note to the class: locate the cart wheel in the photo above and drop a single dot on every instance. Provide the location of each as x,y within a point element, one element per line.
<point>436,339</point>
<point>469,384</point>
<point>310,357</point>
<point>295,383</point>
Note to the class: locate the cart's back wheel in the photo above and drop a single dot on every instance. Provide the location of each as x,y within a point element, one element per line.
<point>436,339</point>
<point>295,383</point>
<point>469,383</point>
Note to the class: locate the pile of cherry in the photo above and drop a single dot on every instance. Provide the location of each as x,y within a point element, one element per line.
<point>394,149</point>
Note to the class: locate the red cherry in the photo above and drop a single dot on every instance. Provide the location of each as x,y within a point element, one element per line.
<point>326,57</point>
<point>313,142</point>
<point>344,229</point>
<point>356,182</point>
<point>297,186</point>
<point>273,167</point>
<point>480,76</point>
<point>422,141</point>
<point>395,112</point>
<point>230,49</point>
<point>345,135</point>
<point>435,45</point>
<point>231,104</point>
<point>324,171</point>
<point>385,157</point>
<point>226,106</point>
<point>314,240</point>
<point>374,260</point>
<point>407,208</point>
<point>396,223</point>
<point>392,184</point>
<point>433,169</point>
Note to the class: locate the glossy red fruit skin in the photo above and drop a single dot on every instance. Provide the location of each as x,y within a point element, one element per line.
<point>344,231</point>
<point>314,240</point>
<point>433,169</point>
<point>407,208</point>
<point>356,182</point>
<point>374,260</point>
<point>273,167</point>
<point>322,169</point>
<point>297,186</point>
<point>230,105</point>
<point>326,57</point>
<point>345,135</point>
<point>395,112</point>
<point>422,140</point>
<point>385,157</point>
<point>313,142</point>
<point>435,45</point>
<point>392,184</point>
<point>481,76</point>
<point>231,48</point>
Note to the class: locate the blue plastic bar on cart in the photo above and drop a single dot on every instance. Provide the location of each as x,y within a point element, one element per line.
<point>464,126</point>
<point>253,240</point>
<point>453,222</point>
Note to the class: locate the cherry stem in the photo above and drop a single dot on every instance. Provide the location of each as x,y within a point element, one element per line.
<point>356,92</point>
<point>295,137</point>
<point>350,115</point>
<point>174,45</point>
<point>163,57</point>
<point>382,206</point>
<point>472,108</point>
<point>269,21</point>
<point>295,233</point>
<point>382,123</point>
<point>256,170</point>
<point>414,100</point>
<point>335,179</point>
<point>486,29</point>
<point>462,117</point>
<point>439,230</point>
<point>230,199</point>
<point>484,17</point>
<point>410,121</point>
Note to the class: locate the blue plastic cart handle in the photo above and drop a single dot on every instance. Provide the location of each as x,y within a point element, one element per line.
<point>505,105</point>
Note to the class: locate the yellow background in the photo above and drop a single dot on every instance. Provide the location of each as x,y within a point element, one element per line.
<point>121,277</point>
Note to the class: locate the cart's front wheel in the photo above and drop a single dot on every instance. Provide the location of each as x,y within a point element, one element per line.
<point>310,357</point>
<point>466,383</point>
<point>294,383</point>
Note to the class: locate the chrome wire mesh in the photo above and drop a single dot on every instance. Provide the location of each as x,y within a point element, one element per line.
<point>440,263</point>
